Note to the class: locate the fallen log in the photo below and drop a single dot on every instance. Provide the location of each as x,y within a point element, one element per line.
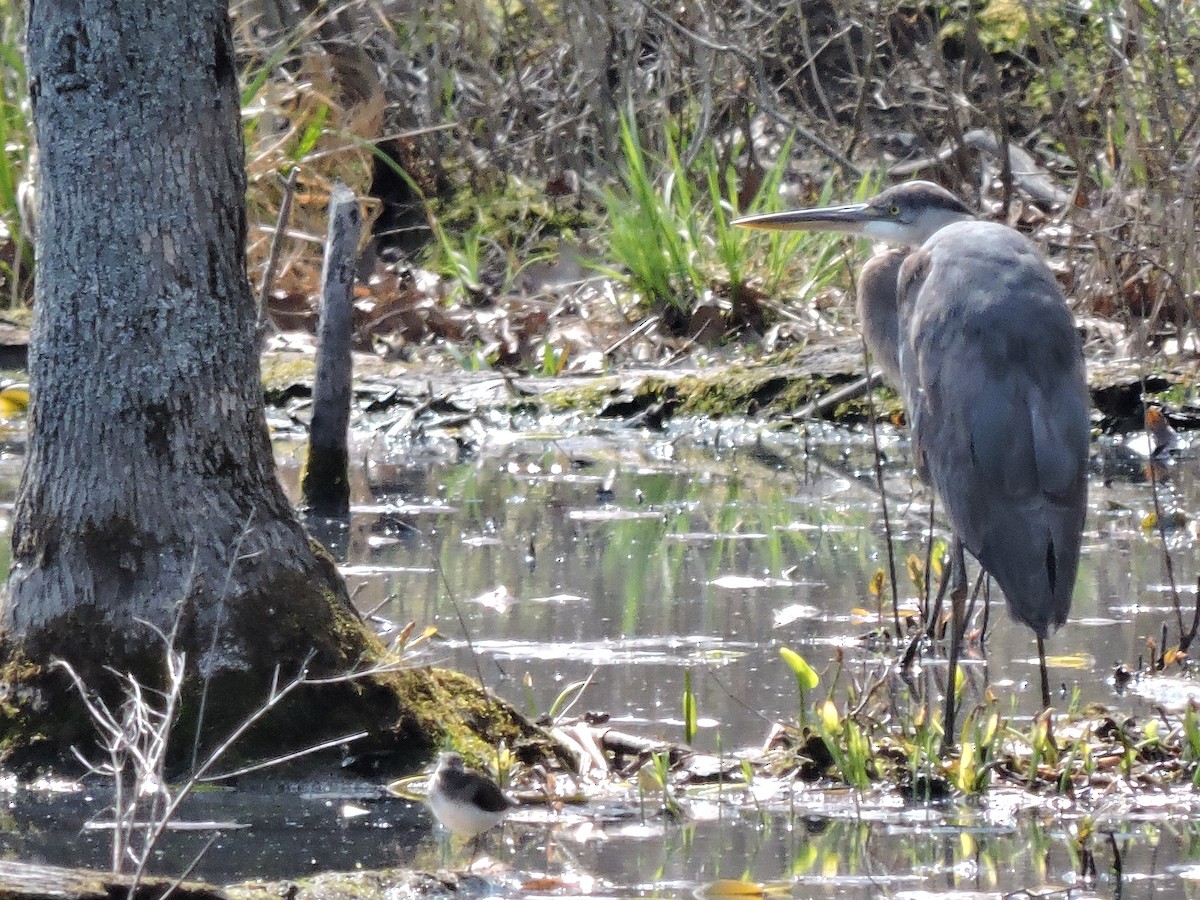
<point>31,881</point>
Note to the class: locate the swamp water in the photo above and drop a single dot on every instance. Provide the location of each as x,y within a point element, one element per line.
<point>630,558</point>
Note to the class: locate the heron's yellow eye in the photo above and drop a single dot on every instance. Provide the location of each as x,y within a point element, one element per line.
<point>895,210</point>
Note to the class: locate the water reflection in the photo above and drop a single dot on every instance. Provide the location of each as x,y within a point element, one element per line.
<point>629,558</point>
<point>641,555</point>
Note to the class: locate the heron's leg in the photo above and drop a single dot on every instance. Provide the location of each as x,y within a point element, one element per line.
<point>926,617</point>
<point>936,613</point>
<point>958,598</point>
<point>1041,644</point>
<point>987,611</point>
<point>910,653</point>
<point>975,591</point>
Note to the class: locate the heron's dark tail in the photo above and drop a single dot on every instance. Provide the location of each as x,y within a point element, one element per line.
<point>1034,557</point>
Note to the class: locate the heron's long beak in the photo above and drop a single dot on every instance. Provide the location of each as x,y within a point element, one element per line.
<point>852,219</point>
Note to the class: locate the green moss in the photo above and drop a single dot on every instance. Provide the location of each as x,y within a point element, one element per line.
<point>1178,394</point>
<point>21,316</point>
<point>587,397</point>
<point>366,885</point>
<point>761,391</point>
<point>27,728</point>
<point>407,712</point>
<point>452,710</point>
<point>283,372</point>
<point>736,391</point>
<point>325,481</point>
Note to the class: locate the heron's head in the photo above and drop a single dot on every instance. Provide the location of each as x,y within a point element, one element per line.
<point>906,215</point>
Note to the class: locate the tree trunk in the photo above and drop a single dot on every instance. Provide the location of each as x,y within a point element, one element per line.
<point>150,488</point>
<point>148,448</point>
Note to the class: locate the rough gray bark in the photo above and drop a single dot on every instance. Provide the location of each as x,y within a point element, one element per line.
<point>326,482</point>
<point>149,478</point>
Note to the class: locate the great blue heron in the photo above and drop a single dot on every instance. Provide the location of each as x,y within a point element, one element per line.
<point>969,324</point>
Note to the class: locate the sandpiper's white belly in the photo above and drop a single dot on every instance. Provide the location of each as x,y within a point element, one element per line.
<point>464,819</point>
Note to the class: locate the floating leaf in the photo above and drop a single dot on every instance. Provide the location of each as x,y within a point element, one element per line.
<point>794,611</point>
<point>612,514</point>
<point>498,598</point>
<point>558,599</point>
<point>547,884</point>
<point>745,582</point>
<point>727,887</point>
<point>14,401</point>
<point>1085,829</point>
<point>1174,519</point>
<point>1072,661</point>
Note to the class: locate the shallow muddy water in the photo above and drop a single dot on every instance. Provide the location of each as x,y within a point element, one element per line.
<point>552,553</point>
<point>632,557</point>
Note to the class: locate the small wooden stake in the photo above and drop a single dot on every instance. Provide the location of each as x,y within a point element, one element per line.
<point>325,484</point>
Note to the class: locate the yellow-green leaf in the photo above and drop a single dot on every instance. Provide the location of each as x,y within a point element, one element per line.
<point>876,584</point>
<point>965,770</point>
<point>689,708</point>
<point>805,676</point>
<point>14,401</point>
<point>1071,661</point>
<point>727,887</point>
<point>829,716</point>
<point>916,570</point>
<point>990,729</point>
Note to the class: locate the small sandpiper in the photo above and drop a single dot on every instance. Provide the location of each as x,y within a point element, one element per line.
<point>465,802</point>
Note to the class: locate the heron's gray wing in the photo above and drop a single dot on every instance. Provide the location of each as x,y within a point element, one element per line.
<point>994,379</point>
